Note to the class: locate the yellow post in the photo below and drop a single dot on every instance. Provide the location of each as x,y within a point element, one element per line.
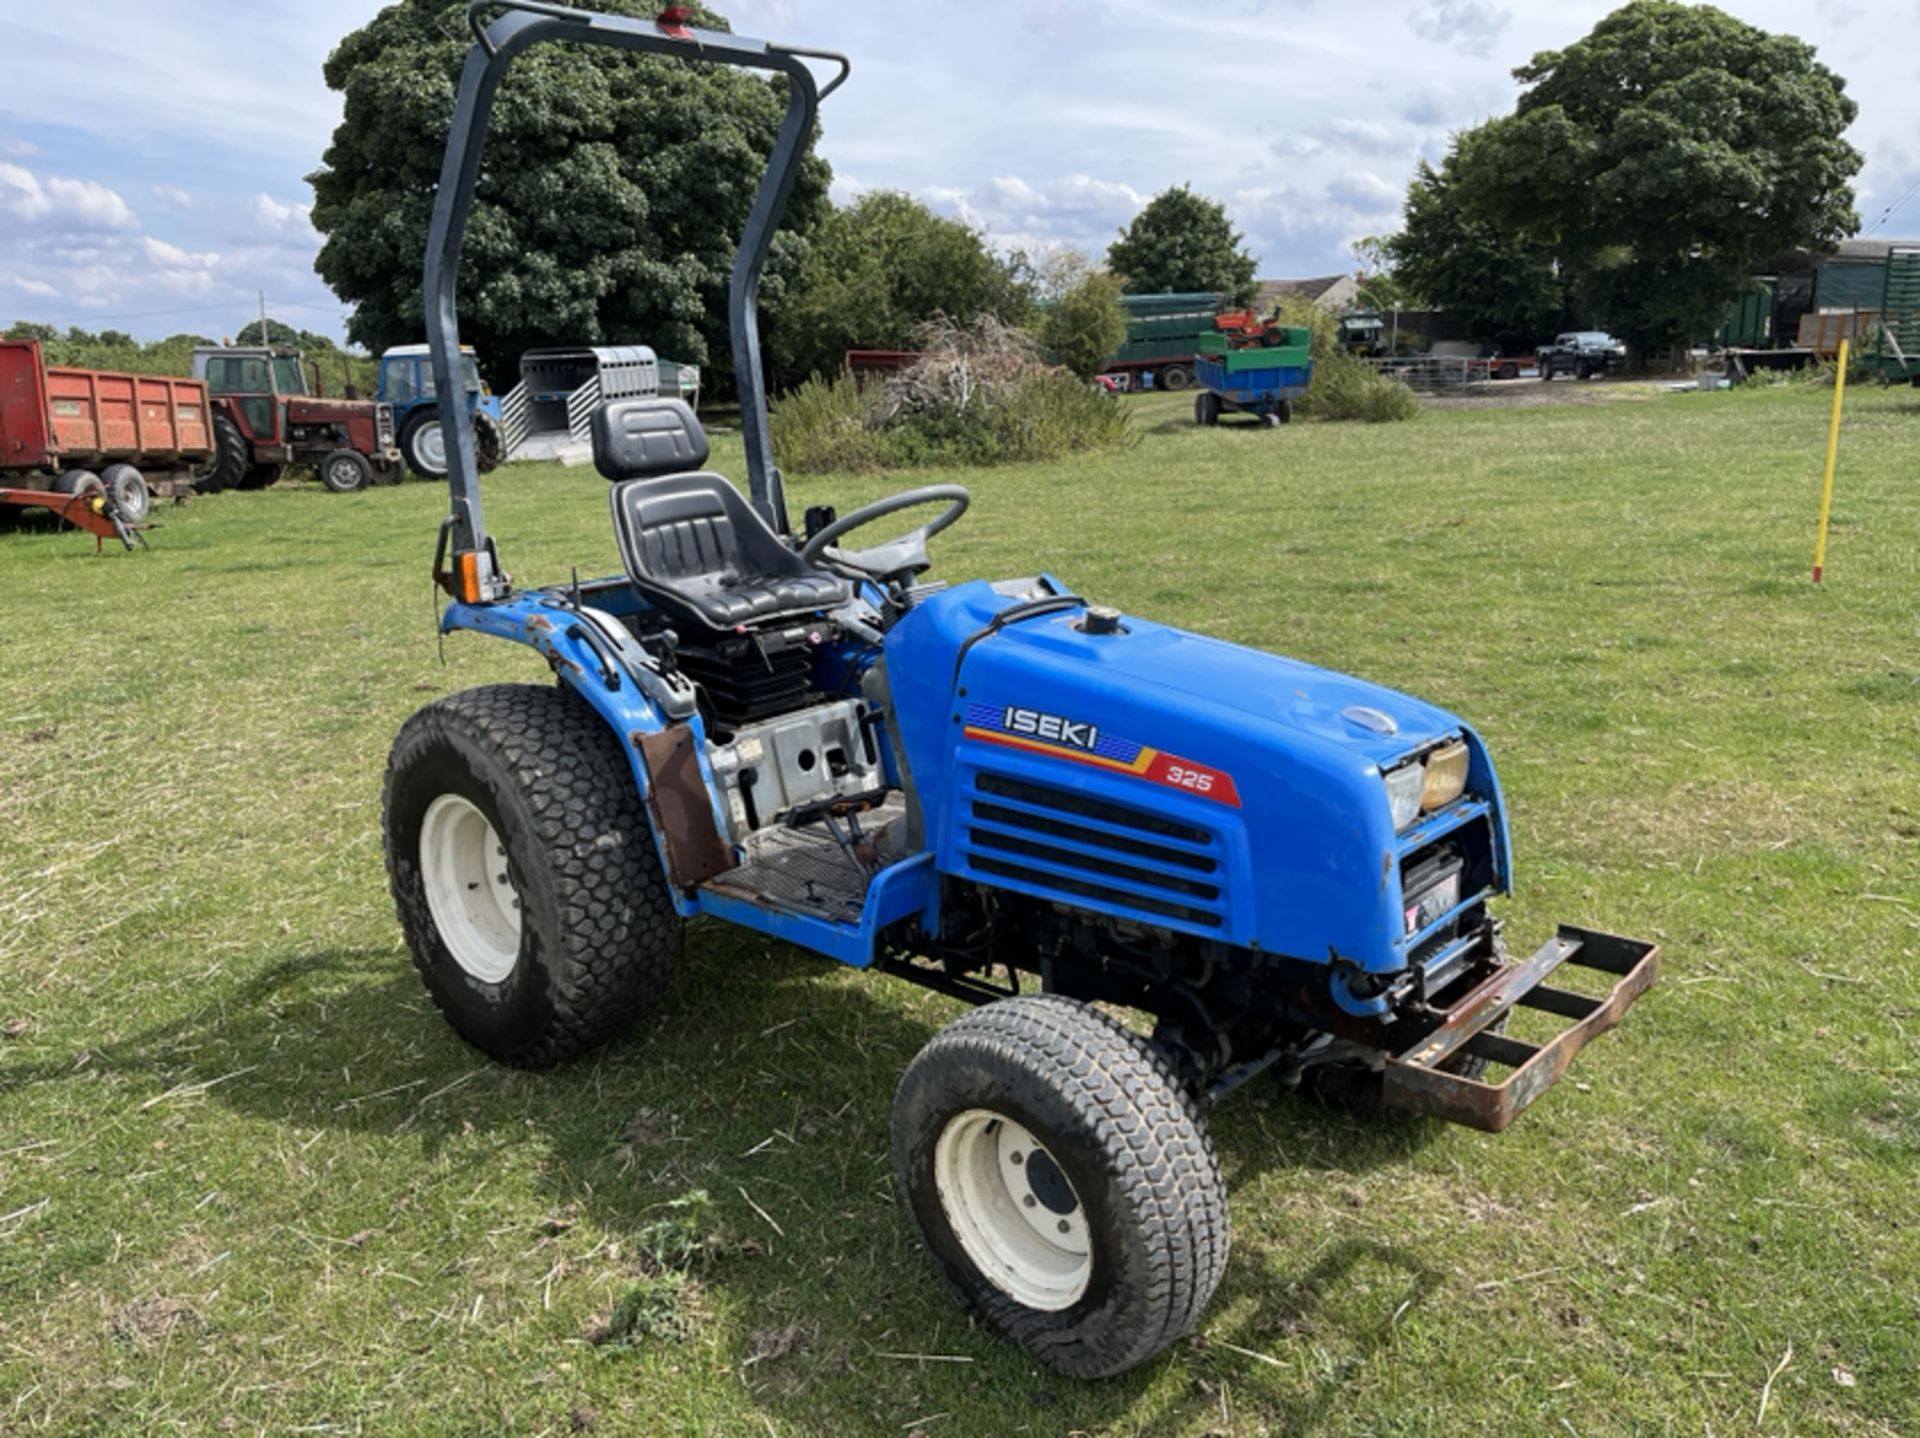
<point>1833,453</point>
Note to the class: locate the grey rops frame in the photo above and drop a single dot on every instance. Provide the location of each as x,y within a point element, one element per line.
<point>524,24</point>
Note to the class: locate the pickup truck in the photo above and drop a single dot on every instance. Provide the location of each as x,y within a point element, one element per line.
<point>1580,353</point>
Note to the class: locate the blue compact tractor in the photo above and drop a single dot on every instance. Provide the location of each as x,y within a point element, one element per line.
<point>999,789</point>
<point>407,383</point>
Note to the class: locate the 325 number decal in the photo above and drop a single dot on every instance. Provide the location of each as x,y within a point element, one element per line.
<point>1198,780</point>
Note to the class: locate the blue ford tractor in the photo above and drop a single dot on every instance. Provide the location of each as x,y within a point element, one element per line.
<point>407,383</point>
<point>998,789</point>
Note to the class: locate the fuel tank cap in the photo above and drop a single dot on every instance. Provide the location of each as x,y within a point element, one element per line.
<point>1101,619</point>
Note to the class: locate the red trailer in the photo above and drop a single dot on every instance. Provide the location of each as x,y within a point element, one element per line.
<point>95,446</point>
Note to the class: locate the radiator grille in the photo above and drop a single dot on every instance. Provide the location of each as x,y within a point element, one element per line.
<point>1085,850</point>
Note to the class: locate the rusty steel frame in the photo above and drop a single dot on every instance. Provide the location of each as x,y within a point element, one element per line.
<point>1417,1080</point>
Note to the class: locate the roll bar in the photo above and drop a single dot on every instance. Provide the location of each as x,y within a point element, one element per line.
<point>476,575</point>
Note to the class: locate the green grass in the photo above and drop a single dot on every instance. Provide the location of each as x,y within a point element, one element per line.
<point>247,1173</point>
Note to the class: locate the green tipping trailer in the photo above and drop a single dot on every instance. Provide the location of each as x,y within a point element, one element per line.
<point>1163,334</point>
<point>1897,354</point>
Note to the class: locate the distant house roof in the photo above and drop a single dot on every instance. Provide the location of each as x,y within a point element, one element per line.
<point>1271,292</point>
<point>1872,249</point>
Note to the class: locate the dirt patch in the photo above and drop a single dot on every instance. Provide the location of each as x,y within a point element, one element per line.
<point>1536,393</point>
<point>150,1322</point>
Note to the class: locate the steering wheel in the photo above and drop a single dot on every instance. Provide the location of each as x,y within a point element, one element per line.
<point>898,559</point>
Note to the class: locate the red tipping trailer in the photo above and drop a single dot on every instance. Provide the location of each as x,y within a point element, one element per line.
<point>94,446</point>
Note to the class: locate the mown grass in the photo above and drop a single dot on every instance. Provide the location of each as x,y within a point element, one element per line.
<point>250,1182</point>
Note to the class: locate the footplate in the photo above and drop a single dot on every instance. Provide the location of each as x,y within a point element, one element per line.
<point>1418,1082</point>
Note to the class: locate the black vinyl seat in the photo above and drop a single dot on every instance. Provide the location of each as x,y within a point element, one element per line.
<point>690,541</point>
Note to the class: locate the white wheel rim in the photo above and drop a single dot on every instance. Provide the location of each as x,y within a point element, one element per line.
<point>345,473</point>
<point>1014,1211</point>
<point>474,904</point>
<point>430,446</point>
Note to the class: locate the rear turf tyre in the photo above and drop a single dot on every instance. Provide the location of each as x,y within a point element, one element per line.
<point>424,444</point>
<point>1062,1181</point>
<point>128,489</point>
<point>345,471</point>
<point>524,872</point>
<point>232,457</point>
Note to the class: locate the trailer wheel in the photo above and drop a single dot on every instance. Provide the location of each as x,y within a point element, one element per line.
<point>489,444</point>
<point>77,481</point>
<point>129,490</point>
<point>231,458</point>
<point>525,874</point>
<point>425,445</point>
<point>1062,1181</point>
<point>346,471</point>
<point>1176,377</point>
<point>1206,408</point>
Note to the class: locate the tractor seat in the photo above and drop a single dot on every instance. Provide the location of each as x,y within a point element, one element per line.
<point>690,541</point>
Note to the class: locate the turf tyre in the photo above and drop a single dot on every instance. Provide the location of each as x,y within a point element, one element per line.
<point>1110,1112</point>
<point>598,934</point>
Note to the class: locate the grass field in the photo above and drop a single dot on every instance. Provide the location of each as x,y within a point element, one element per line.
<point>250,1182</point>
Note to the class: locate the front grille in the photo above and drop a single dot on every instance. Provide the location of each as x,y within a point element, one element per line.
<point>1084,850</point>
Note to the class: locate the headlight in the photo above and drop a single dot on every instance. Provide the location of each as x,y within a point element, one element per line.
<point>1427,784</point>
<point>1446,776</point>
<point>1404,786</point>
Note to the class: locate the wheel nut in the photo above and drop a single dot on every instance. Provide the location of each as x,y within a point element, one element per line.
<point>1065,1227</point>
<point>1016,1158</point>
<point>1029,1200</point>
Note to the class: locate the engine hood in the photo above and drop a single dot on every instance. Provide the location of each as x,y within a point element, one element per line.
<point>1270,767</point>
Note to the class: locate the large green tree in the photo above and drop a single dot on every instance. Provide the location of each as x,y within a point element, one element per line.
<point>1662,157</point>
<point>879,267</point>
<point>1182,242</point>
<point>613,196</point>
<point>1505,288</point>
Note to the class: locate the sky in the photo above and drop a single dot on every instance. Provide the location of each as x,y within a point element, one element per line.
<point>152,175</point>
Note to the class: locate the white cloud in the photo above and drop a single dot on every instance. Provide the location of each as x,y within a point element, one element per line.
<point>174,196</point>
<point>1470,26</point>
<point>61,204</point>
<point>35,287</point>
<point>281,214</point>
<point>1365,192</point>
<point>18,149</point>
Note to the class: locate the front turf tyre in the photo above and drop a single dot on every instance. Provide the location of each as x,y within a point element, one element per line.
<point>1062,1181</point>
<point>345,471</point>
<point>525,874</point>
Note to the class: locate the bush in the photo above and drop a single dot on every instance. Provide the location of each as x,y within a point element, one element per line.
<point>1086,325</point>
<point>978,395</point>
<point>1344,385</point>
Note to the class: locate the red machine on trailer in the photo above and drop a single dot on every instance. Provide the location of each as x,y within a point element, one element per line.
<point>95,446</point>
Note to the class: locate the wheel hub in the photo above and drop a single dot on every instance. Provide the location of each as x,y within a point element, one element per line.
<point>431,443</point>
<point>1013,1209</point>
<point>470,889</point>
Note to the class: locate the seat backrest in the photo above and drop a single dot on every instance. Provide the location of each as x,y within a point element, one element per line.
<point>646,438</point>
<point>681,533</point>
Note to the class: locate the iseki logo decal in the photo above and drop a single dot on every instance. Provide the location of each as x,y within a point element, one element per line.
<point>1051,727</point>
<point>1084,742</point>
